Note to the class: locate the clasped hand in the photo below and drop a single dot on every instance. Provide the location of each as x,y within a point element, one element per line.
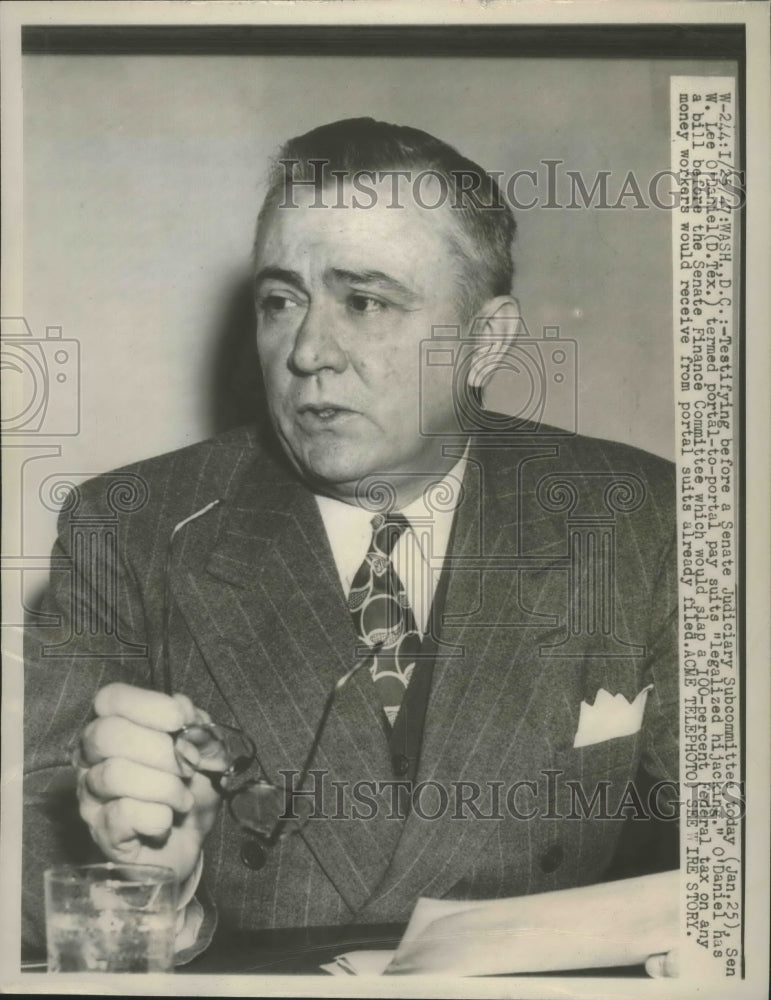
<point>141,802</point>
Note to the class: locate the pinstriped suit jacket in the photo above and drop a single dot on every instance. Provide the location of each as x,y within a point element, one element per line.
<point>260,631</point>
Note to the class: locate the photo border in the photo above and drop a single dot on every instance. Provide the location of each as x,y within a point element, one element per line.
<point>33,28</point>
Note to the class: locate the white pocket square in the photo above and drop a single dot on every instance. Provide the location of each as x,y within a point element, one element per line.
<point>609,717</point>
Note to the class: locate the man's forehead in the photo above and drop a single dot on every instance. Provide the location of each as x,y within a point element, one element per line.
<point>352,213</point>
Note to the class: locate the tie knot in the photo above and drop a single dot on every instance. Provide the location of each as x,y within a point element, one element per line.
<point>387,529</point>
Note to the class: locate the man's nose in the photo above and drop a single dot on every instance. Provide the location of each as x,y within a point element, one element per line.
<point>316,346</point>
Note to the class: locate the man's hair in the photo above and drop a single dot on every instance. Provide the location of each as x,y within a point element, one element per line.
<point>485,225</point>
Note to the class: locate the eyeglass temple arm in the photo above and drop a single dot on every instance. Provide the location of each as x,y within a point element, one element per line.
<point>165,664</point>
<point>339,685</point>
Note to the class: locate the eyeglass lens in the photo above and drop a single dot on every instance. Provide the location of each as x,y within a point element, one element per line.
<point>227,752</point>
<point>220,749</point>
<point>257,806</point>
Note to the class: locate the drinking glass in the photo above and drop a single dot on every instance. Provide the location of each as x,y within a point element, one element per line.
<point>110,918</point>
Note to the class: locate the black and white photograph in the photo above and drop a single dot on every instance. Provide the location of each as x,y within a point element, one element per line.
<point>385,534</point>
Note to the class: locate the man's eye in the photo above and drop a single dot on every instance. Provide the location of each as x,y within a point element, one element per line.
<point>365,304</point>
<point>274,303</point>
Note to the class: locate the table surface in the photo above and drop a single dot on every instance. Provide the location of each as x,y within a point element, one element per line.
<point>290,951</point>
<point>301,951</point>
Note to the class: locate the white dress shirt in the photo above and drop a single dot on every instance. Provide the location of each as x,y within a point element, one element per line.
<point>419,553</point>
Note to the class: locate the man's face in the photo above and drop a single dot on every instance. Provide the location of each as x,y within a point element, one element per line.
<point>344,298</point>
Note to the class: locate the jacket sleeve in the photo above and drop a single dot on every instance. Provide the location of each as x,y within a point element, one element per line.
<point>87,630</point>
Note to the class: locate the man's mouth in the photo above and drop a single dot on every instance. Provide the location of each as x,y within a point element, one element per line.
<point>324,412</point>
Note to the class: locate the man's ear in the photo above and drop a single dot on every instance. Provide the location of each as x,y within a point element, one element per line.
<point>495,326</point>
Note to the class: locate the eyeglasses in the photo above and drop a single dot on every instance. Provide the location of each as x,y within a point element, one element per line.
<point>225,753</point>
<point>257,805</point>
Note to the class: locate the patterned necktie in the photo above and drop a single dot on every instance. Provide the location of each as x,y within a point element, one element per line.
<point>382,614</point>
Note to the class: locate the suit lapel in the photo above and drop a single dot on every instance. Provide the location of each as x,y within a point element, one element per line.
<point>261,596</point>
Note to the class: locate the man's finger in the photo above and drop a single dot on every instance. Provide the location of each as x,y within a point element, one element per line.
<point>117,778</point>
<point>189,712</point>
<point>151,709</point>
<point>125,819</point>
<point>115,736</point>
<point>201,716</point>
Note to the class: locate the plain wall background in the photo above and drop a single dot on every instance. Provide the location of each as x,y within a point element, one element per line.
<point>143,176</point>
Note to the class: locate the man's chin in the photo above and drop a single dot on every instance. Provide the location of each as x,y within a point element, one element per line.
<point>360,474</point>
<point>336,475</point>
<point>375,488</point>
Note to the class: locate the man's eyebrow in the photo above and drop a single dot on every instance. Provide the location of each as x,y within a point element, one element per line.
<point>374,278</point>
<point>280,274</point>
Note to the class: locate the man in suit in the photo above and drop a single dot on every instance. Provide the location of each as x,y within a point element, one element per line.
<point>513,586</point>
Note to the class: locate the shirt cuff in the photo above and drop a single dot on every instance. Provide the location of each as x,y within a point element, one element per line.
<point>189,910</point>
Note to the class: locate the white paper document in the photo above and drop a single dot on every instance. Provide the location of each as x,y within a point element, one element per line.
<point>597,926</point>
